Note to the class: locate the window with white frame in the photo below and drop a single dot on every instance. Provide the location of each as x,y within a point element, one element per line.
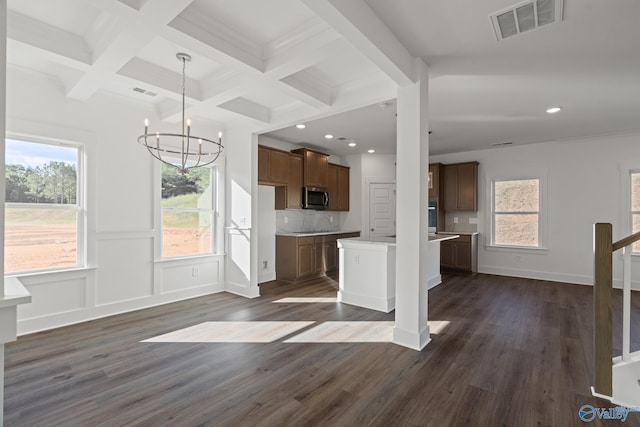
<point>635,206</point>
<point>516,213</point>
<point>44,207</point>
<point>187,212</point>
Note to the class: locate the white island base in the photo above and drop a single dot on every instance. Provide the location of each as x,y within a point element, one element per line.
<point>367,275</point>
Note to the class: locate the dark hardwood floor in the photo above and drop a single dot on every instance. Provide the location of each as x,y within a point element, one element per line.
<point>515,352</point>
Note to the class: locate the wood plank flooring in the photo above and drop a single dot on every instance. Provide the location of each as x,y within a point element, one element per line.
<point>515,352</point>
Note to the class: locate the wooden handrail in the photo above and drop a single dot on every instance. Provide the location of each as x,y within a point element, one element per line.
<point>626,241</point>
<point>602,307</point>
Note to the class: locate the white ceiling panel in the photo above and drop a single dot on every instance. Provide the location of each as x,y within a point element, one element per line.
<point>74,16</point>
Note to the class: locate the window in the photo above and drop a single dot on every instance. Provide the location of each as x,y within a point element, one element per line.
<point>516,213</point>
<point>43,207</point>
<point>635,206</point>
<point>187,212</point>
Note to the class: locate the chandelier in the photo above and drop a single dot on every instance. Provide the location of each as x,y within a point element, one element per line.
<point>181,150</point>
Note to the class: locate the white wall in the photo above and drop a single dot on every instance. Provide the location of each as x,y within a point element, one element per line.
<point>266,233</point>
<point>585,182</point>
<point>124,270</point>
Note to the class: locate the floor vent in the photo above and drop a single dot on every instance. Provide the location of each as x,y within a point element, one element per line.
<point>144,91</point>
<point>526,16</point>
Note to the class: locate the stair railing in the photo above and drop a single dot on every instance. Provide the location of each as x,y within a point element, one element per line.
<point>604,247</point>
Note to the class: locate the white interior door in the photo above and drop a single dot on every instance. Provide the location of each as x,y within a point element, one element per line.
<point>382,210</point>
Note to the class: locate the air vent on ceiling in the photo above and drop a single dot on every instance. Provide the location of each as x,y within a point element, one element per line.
<point>146,92</point>
<point>502,144</point>
<point>526,16</point>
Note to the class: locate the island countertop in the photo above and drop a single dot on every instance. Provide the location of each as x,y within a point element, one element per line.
<point>391,240</point>
<point>314,233</point>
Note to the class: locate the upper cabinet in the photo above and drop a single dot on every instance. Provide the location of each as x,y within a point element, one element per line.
<point>338,188</point>
<point>315,168</point>
<point>273,166</point>
<point>435,181</point>
<point>290,196</point>
<point>461,187</point>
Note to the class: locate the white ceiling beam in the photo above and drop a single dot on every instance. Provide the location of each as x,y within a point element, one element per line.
<point>131,34</point>
<point>360,26</point>
<point>230,46</point>
<point>47,41</point>
<point>248,109</point>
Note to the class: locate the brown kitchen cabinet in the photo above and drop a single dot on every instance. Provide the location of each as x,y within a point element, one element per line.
<point>460,254</point>
<point>338,188</point>
<point>307,257</point>
<point>273,166</point>
<point>461,187</point>
<point>436,181</point>
<point>290,196</point>
<point>315,168</point>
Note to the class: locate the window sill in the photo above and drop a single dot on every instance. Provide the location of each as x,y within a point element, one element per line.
<point>520,249</point>
<point>38,273</point>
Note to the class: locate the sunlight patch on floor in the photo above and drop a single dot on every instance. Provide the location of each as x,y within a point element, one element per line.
<point>266,332</point>
<point>307,300</point>
<point>229,332</point>
<point>340,332</point>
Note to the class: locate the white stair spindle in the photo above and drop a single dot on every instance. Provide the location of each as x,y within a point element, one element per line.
<point>626,302</point>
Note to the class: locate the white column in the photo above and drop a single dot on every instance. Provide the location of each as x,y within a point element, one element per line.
<point>3,113</point>
<point>2,380</point>
<point>241,244</point>
<point>411,328</point>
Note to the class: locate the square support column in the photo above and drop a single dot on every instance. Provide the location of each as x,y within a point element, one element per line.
<point>411,328</point>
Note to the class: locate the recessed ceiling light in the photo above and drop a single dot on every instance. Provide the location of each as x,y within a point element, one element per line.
<point>328,136</point>
<point>301,126</point>
<point>554,110</point>
<point>371,151</point>
<point>352,144</point>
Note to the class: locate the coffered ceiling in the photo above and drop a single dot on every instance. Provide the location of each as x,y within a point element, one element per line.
<point>268,64</point>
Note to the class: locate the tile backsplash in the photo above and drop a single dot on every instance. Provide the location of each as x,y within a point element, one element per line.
<point>464,224</point>
<point>293,220</point>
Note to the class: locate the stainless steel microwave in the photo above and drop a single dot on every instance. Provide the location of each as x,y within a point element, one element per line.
<point>315,198</point>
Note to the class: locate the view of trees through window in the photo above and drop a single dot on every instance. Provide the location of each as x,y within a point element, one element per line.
<point>516,210</point>
<point>41,206</point>
<point>635,206</point>
<point>187,212</point>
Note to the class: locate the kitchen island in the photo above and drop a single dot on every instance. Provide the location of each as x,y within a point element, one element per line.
<point>367,275</point>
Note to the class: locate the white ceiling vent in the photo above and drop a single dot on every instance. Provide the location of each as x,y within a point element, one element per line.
<point>526,16</point>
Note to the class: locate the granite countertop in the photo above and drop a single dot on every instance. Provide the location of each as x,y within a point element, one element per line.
<point>314,233</point>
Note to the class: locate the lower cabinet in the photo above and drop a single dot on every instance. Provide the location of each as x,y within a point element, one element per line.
<point>460,254</point>
<point>301,258</point>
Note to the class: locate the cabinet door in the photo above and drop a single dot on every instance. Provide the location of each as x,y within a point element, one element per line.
<point>434,181</point>
<point>279,167</point>
<point>263,164</point>
<point>306,260</point>
<point>467,186</point>
<point>330,256</point>
<point>463,256</point>
<point>447,254</point>
<point>333,188</point>
<point>451,188</point>
<point>343,189</point>
<point>316,169</point>
<point>294,187</point>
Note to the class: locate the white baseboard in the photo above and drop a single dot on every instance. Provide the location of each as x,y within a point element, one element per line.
<point>412,340</point>
<point>267,276</point>
<point>379,304</point>
<point>242,290</point>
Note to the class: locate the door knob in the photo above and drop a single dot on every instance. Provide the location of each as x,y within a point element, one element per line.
<point>372,229</point>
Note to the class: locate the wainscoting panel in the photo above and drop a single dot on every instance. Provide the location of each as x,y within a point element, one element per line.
<point>178,275</point>
<point>125,270</point>
<point>55,297</point>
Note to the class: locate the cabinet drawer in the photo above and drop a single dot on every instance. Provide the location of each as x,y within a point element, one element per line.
<point>305,240</point>
<point>329,238</point>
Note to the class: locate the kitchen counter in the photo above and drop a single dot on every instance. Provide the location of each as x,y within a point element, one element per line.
<point>314,233</point>
<point>460,233</point>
